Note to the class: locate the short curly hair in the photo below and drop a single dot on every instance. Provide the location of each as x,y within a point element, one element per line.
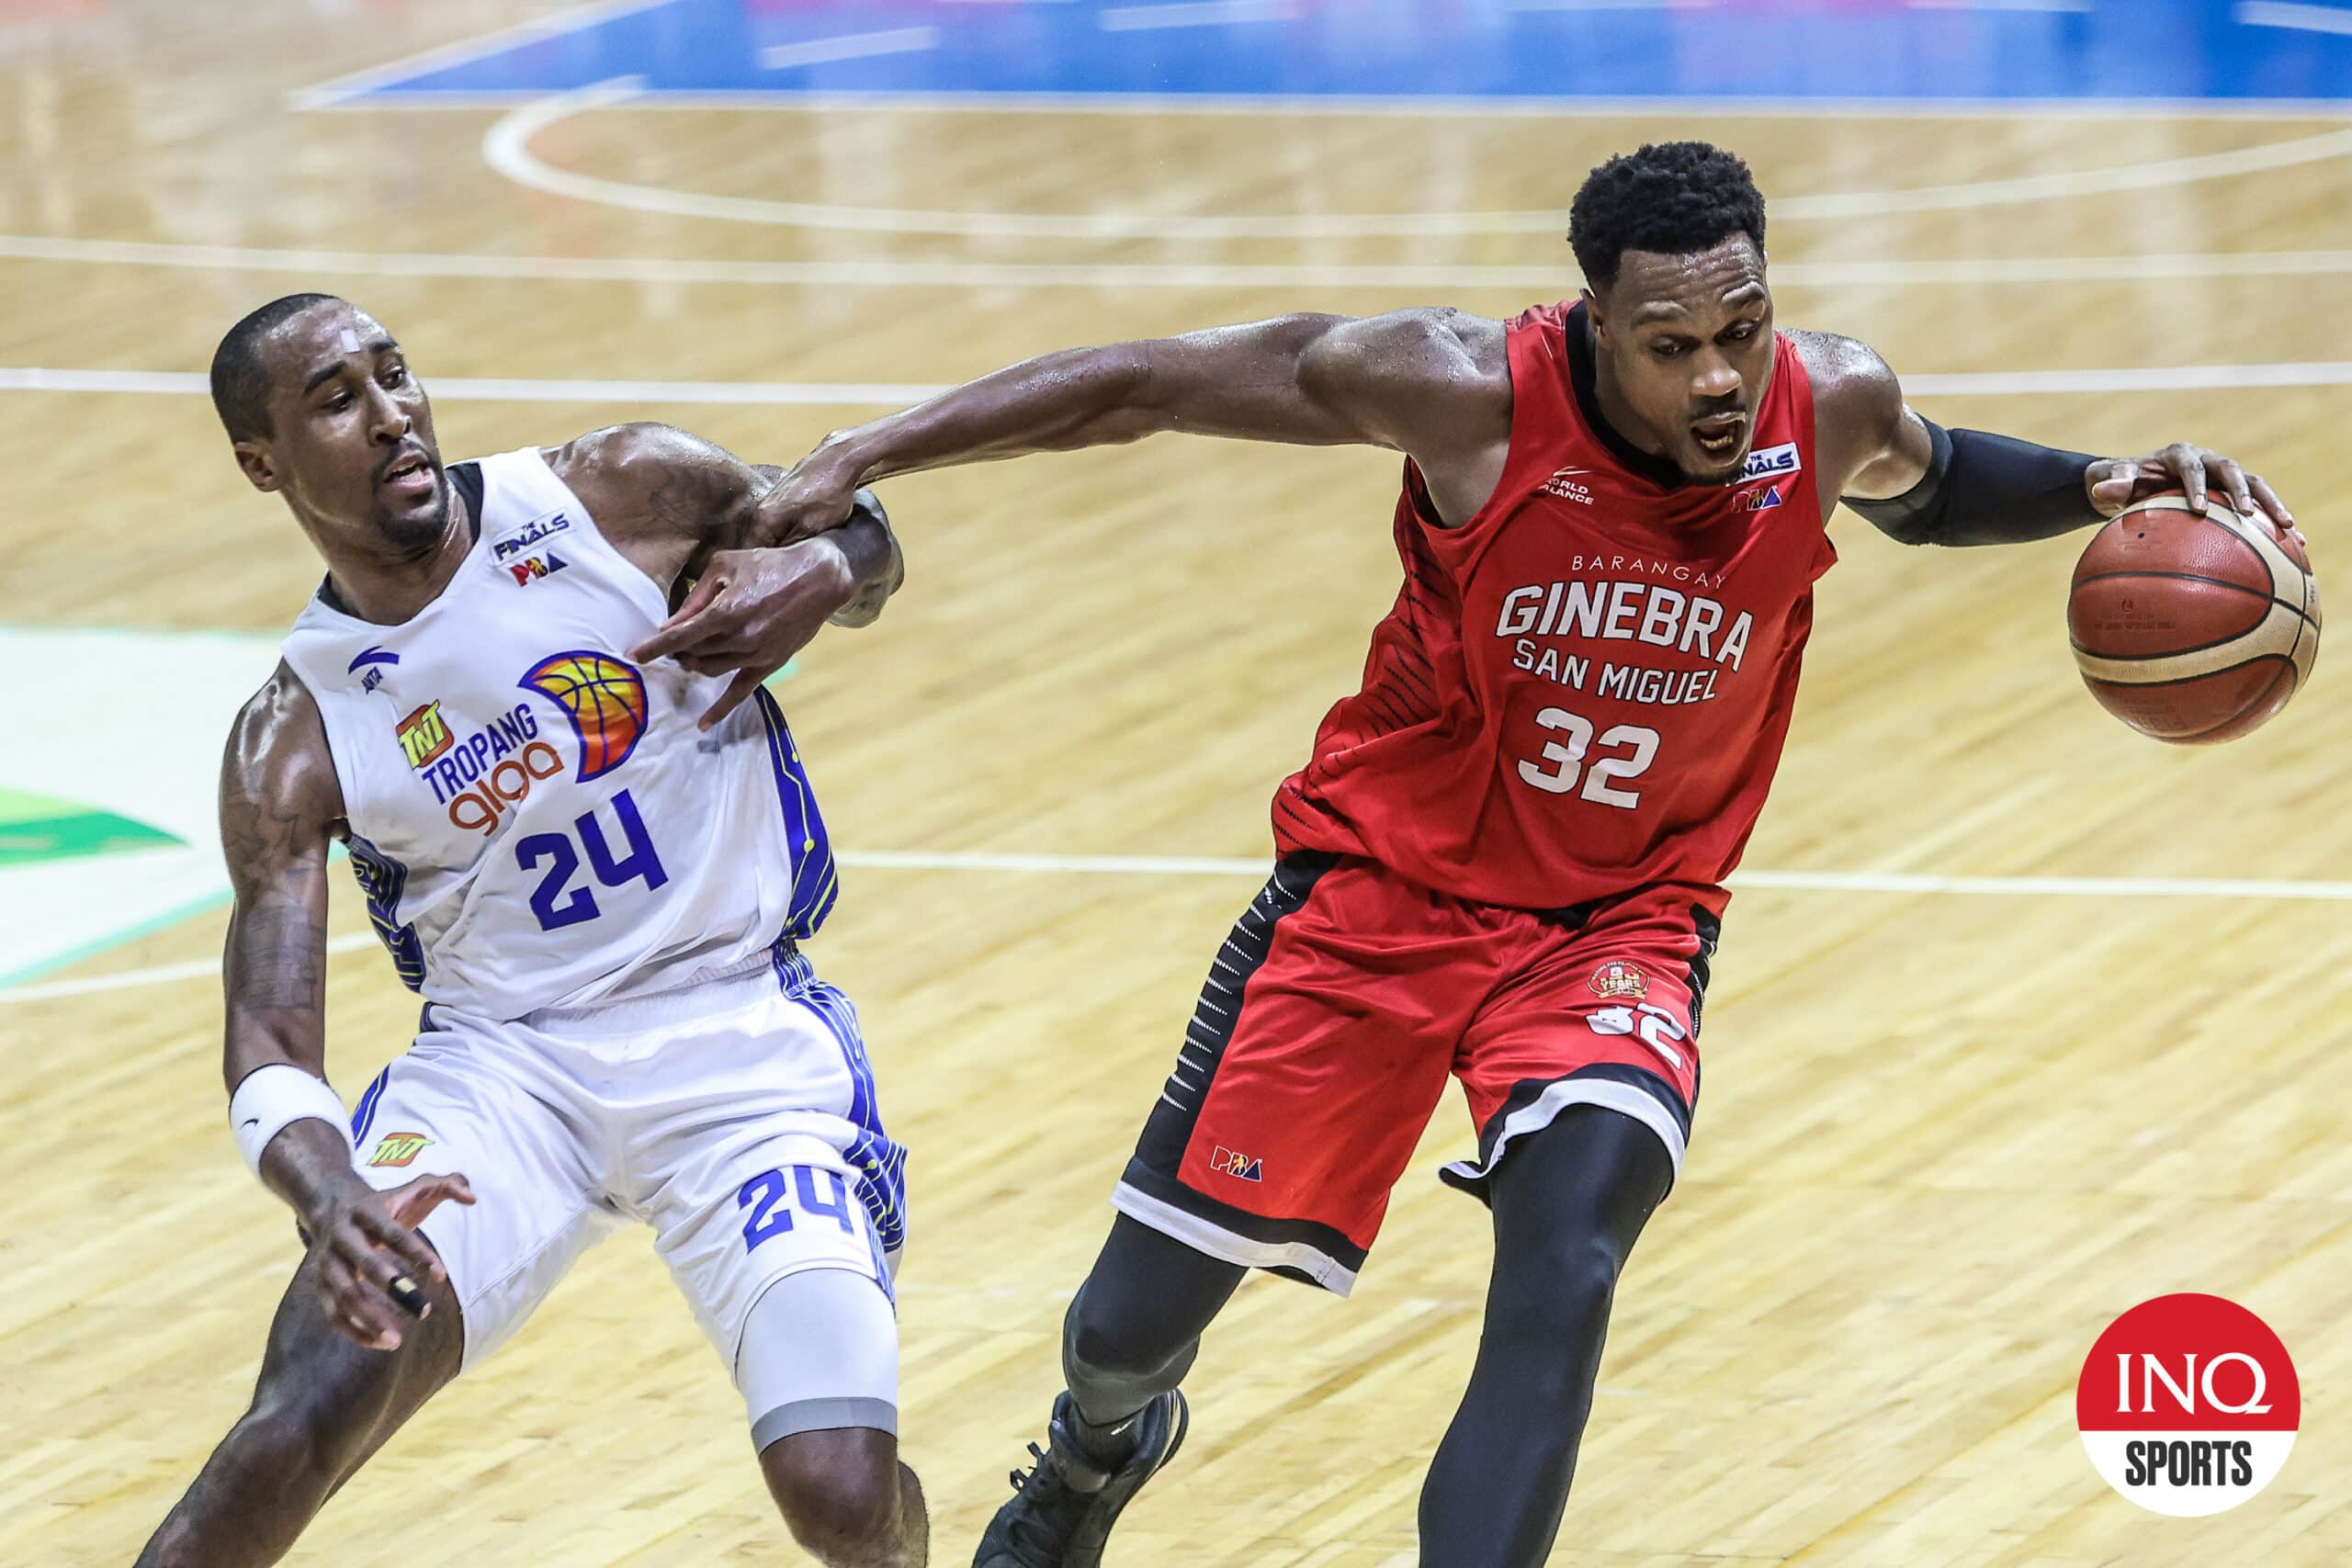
<point>240,383</point>
<point>1673,198</point>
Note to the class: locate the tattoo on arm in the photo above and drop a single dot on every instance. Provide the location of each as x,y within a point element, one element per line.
<point>273,958</point>
<point>701,500</point>
<point>278,804</point>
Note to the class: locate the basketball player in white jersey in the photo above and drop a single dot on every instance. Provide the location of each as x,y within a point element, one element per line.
<point>601,905</point>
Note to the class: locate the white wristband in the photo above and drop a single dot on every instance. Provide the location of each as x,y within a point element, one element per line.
<point>271,1097</point>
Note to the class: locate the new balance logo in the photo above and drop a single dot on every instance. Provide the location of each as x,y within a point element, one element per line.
<point>1564,485</point>
<point>1230,1162</point>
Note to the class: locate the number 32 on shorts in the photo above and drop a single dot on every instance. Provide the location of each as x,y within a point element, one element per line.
<point>1566,759</point>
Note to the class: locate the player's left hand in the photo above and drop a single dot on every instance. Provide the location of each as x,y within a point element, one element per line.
<point>750,612</point>
<point>2116,482</point>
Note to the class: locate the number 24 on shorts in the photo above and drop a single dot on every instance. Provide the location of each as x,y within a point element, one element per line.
<point>1568,760</point>
<point>769,1198</point>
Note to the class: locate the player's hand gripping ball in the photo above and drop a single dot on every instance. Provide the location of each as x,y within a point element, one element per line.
<point>2195,626</point>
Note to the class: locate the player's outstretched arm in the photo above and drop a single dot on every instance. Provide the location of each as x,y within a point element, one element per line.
<point>698,521</point>
<point>280,805</point>
<point>1433,383</point>
<point>672,501</point>
<point>750,610</point>
<point>1922,484</point>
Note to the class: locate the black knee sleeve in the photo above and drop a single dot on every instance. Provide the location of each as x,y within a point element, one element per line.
<point>1134,1327</point>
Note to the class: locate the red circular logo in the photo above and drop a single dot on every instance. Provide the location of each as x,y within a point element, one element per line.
<point>2188,1405</point>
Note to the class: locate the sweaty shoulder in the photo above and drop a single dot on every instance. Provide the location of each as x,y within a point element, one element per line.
<point>277,760</point>
<point>663,496</point>
<point>1421,372</point>
<point>1857,404</point>
<point>657,477</point>
<point>1434,384</point>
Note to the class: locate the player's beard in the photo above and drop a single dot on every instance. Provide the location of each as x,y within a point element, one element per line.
<point>414,533</point>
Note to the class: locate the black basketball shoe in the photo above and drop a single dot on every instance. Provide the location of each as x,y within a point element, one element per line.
<point>1061,1512</point>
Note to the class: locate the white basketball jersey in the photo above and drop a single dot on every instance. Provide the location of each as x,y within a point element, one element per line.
<point>535,820</point>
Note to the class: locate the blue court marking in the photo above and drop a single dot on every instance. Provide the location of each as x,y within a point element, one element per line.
<point>1897,51</point>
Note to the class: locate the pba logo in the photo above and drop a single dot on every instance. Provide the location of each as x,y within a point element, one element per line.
<point>532,568</point>
<point>1617,978</point>
<point>2188,1405</point>
<point>604,698</point>
<point>424,736</point>
<point>1231,1162</point>
<point>398,1150</point>
<point>1763,500</point>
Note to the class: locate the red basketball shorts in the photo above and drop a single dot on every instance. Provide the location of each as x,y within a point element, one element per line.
<point>1334,1014</point>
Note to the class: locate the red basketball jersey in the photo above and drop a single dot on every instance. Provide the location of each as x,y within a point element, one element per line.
<point>1584,688</point>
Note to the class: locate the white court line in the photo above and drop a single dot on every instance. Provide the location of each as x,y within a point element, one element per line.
<point>848,46</point>
<point>1194,14</point>
<point>1092,865</point>
<point>885,273</point>
<point>891,394</point>
<point>878,101</point>
<point>1256,869</point>
<point>327,95</point>
<point>506,148</point>
<point>161,974</point>
<point>2303,18</point>
<point>2153,379</point>
<point>461,389</point>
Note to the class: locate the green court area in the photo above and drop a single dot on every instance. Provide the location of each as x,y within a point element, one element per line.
<point>37,827</point>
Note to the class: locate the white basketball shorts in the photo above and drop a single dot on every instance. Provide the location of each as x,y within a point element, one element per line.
<point>735,1116</point>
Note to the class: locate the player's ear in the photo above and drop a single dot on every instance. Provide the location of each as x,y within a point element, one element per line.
<point>260,471</point>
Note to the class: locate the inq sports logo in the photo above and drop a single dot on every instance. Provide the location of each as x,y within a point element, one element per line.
<point>2188,1405</point>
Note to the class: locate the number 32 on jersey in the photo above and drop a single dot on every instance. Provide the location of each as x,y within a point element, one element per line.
<point>1567,763</point>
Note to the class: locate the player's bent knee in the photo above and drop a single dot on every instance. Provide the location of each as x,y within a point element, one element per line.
<point>1099,1345</point>
<point>1093,1350</point>
<point>839,1491</point>
<point>1553,1311</point>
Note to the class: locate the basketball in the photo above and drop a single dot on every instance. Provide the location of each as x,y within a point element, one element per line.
<point>2192,628</point>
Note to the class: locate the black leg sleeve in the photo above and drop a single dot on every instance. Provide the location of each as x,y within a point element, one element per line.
<point>1568,1203</point>
<point>1135,1325</point>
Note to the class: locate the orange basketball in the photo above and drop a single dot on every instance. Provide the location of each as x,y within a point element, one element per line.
<point>2192,628</point>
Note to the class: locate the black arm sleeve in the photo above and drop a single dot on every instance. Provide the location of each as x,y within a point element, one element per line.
<point>1987,489</point>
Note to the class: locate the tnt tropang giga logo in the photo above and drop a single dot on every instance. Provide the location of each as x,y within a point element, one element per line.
<point>2188,1405</point>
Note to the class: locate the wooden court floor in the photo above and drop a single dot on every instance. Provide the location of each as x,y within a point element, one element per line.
<point>1947,1134</point>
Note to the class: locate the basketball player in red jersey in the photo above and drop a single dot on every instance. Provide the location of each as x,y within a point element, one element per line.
<point>1505,860</point>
